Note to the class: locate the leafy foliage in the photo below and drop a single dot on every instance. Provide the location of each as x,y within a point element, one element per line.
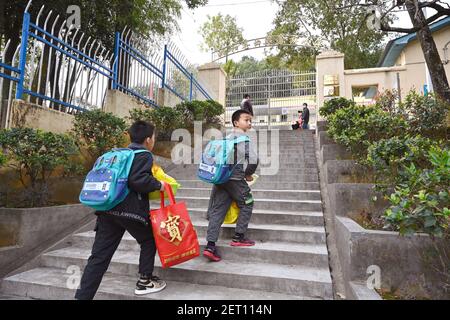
<point>165,119</point>
<point>422,203</point>
<point>426,115</point>
<point>389,157</point>
<point>98,132</point>
<point>331,106</point>
<point>342,30</point>
<point>221,33</point>
<point>150,18</point>
<point>208,112</point>
<point>35,155</point>
<point>357,127</point>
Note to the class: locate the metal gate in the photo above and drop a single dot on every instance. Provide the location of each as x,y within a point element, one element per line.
<point>277,96</point>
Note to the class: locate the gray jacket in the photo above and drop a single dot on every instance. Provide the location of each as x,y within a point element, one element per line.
<point>245,158</point>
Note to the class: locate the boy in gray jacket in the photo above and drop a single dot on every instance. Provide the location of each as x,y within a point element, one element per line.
<point>236,189</point>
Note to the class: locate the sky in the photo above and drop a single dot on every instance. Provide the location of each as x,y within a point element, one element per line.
<point>254,16</point>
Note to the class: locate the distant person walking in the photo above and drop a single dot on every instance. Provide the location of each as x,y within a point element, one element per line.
<point>247,105</point>
<point>305,116</point>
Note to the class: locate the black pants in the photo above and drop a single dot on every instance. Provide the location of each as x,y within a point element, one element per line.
<point>110,230</point>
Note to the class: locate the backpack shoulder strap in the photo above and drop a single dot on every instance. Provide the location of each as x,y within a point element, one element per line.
<point>241,139</point>
<point>141,151</point>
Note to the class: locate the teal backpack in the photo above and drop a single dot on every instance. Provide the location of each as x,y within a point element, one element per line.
<point>106,185</point>
<point>216,164</point>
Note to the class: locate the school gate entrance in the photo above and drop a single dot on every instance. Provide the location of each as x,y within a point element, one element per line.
<point>277,96</point>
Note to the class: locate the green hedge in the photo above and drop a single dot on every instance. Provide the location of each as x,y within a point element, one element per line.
<point>97,132</point>
<point>357,127</point>
<point>35,155</point>
<point>331,106</point>
<point>183,115</point>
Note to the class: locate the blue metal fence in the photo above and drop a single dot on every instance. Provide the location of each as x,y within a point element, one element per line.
<point>59,67</point>
<point>180,77</point>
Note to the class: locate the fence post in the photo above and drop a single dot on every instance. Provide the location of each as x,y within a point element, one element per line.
<point>116,61</point>
<point>191,89</point>
<point>23,54</point>
<point>163,85</point>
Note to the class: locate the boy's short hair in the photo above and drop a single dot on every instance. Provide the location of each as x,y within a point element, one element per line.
<point>305,104</point>
<point>141,130</point>
<point>247,96</point>
<point>237,115</point>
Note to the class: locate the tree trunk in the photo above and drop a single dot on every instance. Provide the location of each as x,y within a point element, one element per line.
<point>430,52</point>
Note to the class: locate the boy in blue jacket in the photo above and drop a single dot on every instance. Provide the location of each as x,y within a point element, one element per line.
<point>131,215</point>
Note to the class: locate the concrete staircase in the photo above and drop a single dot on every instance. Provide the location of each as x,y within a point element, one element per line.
<point>290,260</point>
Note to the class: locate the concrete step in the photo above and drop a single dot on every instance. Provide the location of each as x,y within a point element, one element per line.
<point>264,204</point>
<point>292,280</point>
<point>290,218</point>
<point>284,253</point>
<point>263,179</point>
<point>258,193</point>
<point>269,232</point>
<point>51,284</point>
<point>195,183</point>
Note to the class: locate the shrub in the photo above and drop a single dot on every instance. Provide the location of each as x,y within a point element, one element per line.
<point>331,106</point>
<point>35,155</point>
<point>388,102</point>
<point>426,115</point>
<point>389,157</point>
<point>165,119</point>
<point>422,202</point>
<point>357,127</point>
<point>212,114</point>
<point>208,112</point>
<point>98,132</point>
<point>2,159</point>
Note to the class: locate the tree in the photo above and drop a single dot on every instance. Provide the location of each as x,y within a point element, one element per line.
<point>420,25</point>
<point>318,24</point>
<point>245,66</point>
<point>221,34</point>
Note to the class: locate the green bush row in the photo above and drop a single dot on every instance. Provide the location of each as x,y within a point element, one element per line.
<point>406,145</point>
<point>183,115</point>
<point>35,155</point>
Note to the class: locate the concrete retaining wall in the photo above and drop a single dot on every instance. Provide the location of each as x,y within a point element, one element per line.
<point>352,199</point>
<point>345,171</point>
<point>29,115</point>
<point>402,260</point>
<point>407,264</point>
<point>25,233</point>
<point>120,104</point>
<point>333,152</point>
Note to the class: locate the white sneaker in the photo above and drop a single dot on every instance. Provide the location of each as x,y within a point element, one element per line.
<point>152,285</point>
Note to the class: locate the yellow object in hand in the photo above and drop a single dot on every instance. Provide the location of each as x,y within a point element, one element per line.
<point>161,176</point>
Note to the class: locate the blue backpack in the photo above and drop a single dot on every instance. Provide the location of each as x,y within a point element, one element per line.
<point>106,185</point>
<point>216,164</point>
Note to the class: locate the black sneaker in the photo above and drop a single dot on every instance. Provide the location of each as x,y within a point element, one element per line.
<point>151,285</point>
<point>241,241</point>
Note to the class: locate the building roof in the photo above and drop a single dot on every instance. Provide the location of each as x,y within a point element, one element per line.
<point>395,47</point>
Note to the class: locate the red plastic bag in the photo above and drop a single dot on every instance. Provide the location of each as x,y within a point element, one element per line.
<point>175,236</point>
